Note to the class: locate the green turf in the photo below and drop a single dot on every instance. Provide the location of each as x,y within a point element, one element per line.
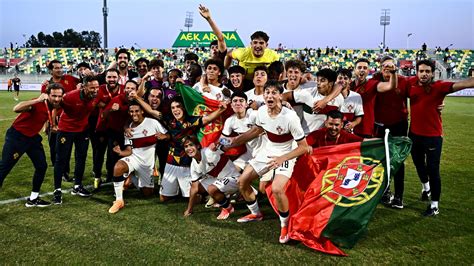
<point>82,232</point>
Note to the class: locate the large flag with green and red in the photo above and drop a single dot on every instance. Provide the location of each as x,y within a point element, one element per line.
<point>199,105</point>
<point>334,191</point>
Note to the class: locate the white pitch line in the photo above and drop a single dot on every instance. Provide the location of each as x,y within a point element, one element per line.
<point>8,201</point>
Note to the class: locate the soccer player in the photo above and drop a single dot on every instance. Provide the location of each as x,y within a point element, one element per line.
<point>153,78</point>
<point>236,78</point>
<point>16,81</point>
<point>138,155</point>
<point>177,173</point>
<point>256,55</point>
<point>352,108</point>
<point>368,90</point>
<point>426,130</point>
<point>211,172</point>
<point>22,137</point>
<point>141,65</point>
<point>331,133</point>
<point>255,96</point>
<point>210,86</point>
<point>282,127</point>
<point>72,128</point>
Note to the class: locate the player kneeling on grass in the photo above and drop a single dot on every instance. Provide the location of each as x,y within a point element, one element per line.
<point>139,155</point>
<point>211,172</point>
<point>282,127</point>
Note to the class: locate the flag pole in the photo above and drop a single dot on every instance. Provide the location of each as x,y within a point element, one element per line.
<point>387,155</point>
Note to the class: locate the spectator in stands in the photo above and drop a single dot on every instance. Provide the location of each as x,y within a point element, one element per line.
<point>423,47</point>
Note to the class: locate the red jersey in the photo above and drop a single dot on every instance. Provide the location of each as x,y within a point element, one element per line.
<point>424,102</point>
<point>69,83</point>
<point>76,111</point>
<point>391,106</point>
<point>105,96</point>
<point>115,120</point>
<point>30,123</point>
<point>319,138</point>
<point>368,91</point>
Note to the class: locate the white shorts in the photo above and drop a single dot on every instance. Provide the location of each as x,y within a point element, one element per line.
<point>226,185</point>
<point>143,172</point>
<point>175,178</point>
<point>243,160</point>
<point>261,168</point>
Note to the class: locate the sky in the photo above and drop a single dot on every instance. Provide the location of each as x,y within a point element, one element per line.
<point>294,23</point>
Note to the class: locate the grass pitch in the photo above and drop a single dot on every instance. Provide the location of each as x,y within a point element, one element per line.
<point>81,231</point>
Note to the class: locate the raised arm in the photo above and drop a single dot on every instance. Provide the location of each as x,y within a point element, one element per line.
<point>206,14</point>
<point>25,106</point>
<point>147,108</point>
<point>321,104</point>
<point>463,84</point>
<point>393,82</point>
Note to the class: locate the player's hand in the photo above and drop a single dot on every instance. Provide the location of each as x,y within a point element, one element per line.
<point>133,95</point>
<point>319,105</point>
<point>275,162</point>
<point>287,105</point>
<point>180,80</point>
<point>115,107</point>
<point>87,72</point>
<point>204,11</point>
<point>128,132</point>
<point>440,107</point>
<point>148,75</point>
<point>160,136</point>
<point>213,146</point>
<point>117,149</point>
<point>45,84</point>
<point>43,97</point>
<point>349,127</point>
<point>223,105</point>
<point>187,213</point>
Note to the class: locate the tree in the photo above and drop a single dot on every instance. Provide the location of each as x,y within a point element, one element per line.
<point>70,38</point>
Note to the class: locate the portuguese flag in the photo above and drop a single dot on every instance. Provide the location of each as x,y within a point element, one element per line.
<point>334,191</point>
<point>199,105</point>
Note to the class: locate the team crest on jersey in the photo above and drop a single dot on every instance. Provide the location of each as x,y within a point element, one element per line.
<point>350,107</point>
<point>63,140</point>
<point>16,156</point>
<point>144,132</point>
<point>279,129</point>
<point>352,182</point>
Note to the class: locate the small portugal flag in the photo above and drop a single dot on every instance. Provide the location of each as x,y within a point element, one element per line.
<point>334,191</point>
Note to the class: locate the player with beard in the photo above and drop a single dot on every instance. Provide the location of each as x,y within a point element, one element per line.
<point>140,161</point>
<point>72,129</point>
<point>99,137</point>
<point>331,133</point>
<point>115,116</point>
<point>368,88</point>
<point>122,58</point>
<point>218,47</point>
<point>141,64</point>
<point>282,127</point>
<point>426,129</point>
<point>23,137</point>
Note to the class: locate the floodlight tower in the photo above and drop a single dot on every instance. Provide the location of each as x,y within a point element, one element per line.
<point>385,21</point>
<point>105,11</point>
<point>188,21</point>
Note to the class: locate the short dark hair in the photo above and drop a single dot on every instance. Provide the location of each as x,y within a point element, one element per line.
<point>141,59</point>
<point>195,70</point>
<point>156,62</point>
<point>236,69</point>
<point>88,79</point>
<point>132,81</point>
<point>275,69</point>
<point>112,70</point>
<point>275,84</point>
<point>335,114</point>
<point>385,58</point>
<point>122,51</point>
<point>295,63</point>
<point>193,139</point>
<point>83,64</point>
<point>179,72</point>
<point>55,61</point>
<point>260,68</point>
<point>134,103</point>
<point>427,62</point>
<point>365,60</point>
<point>344,72</point>
<point>191,56</point>
<point>216,62</point>
<point>240,94</point>
<point>259,35</point>
<point>327,73</point>
<point>213,43</point>
<point>54,86</point>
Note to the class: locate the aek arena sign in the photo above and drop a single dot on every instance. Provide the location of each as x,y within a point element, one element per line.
<point>204,38</point>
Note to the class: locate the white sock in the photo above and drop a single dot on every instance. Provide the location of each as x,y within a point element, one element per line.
<point>284,220</point>
<point>76,186</point>
<point>254,208</point>
<point>434,204</point>
<point>34,195</point>
<point>118,187</point>
<point>58,189</point>
<point>426,186</point>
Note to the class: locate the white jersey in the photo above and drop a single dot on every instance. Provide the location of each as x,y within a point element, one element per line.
<point>311,121</point>
<point>352,106</point>
<point>234,126</point>
<point>212,164</point>
<point>252,97</point>
<point>214,94</point>
<point>281,132</point>
<point>143,140</point>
